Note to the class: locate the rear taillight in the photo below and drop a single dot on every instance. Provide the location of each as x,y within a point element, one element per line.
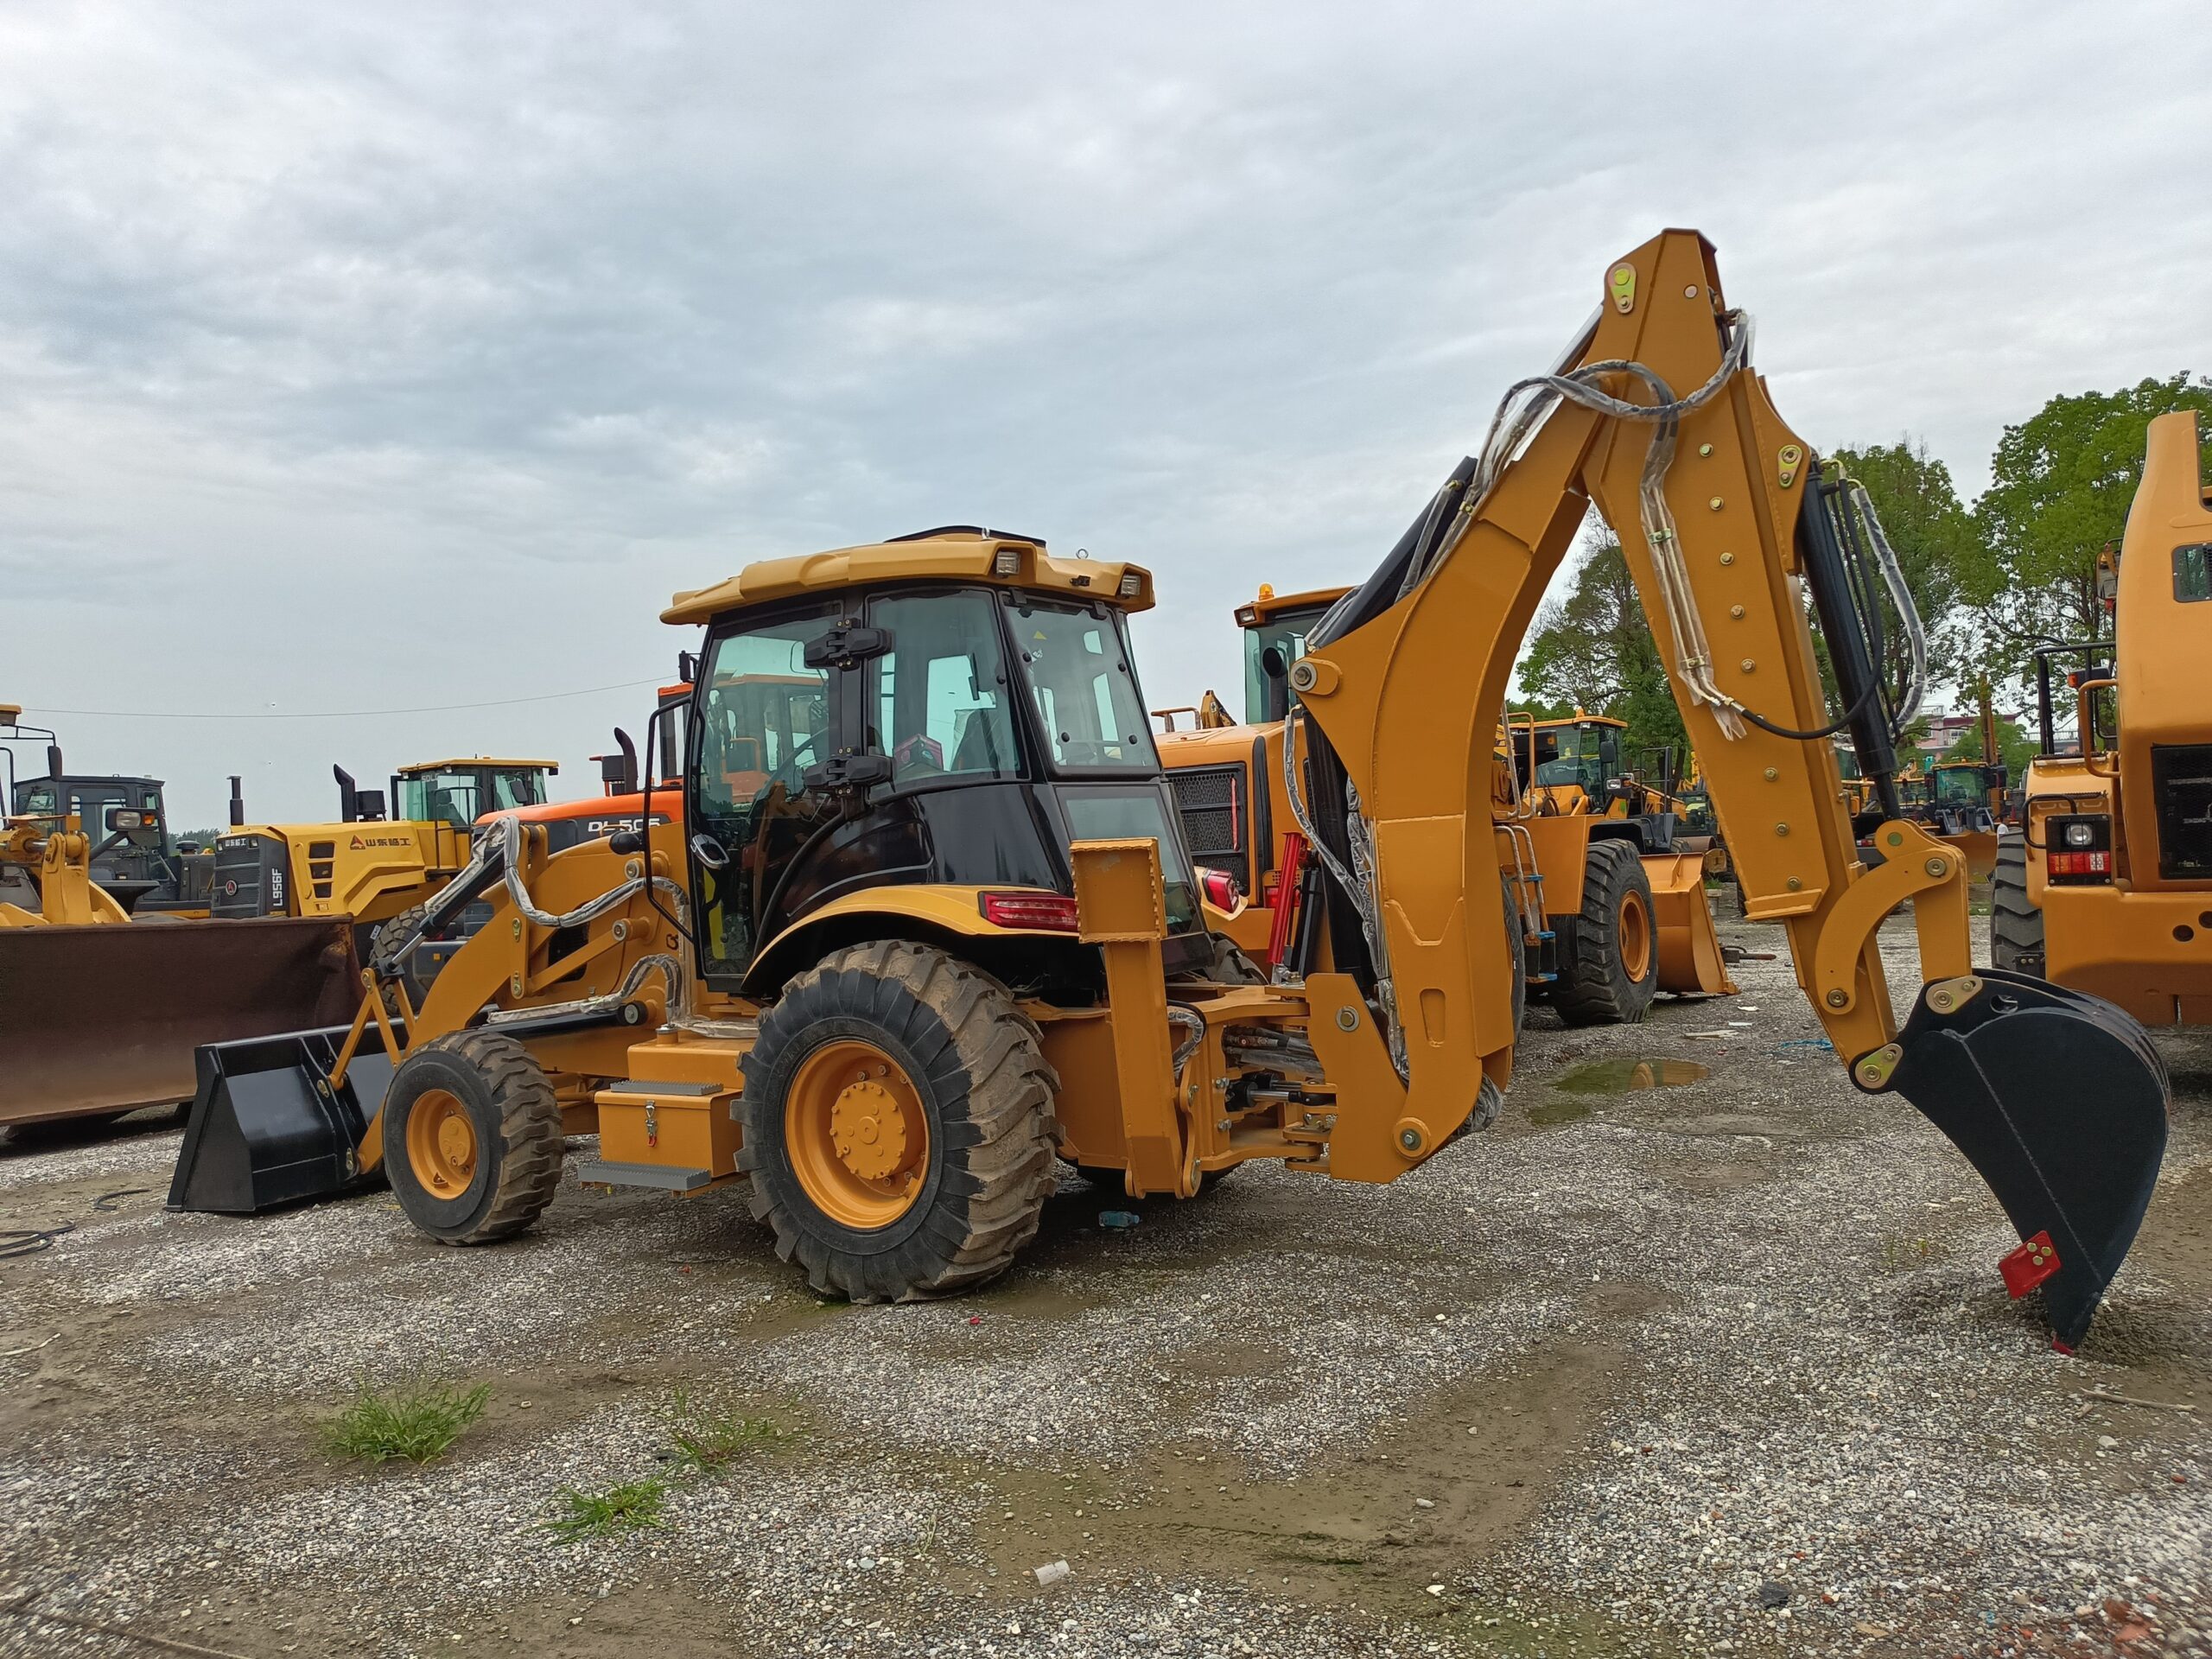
<point>2078,849</point>
<point>2093,866</point>
<point>1218,886</point>
<point>1046,913</point>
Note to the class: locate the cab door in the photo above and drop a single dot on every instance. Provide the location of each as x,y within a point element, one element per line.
<point>763,719</point>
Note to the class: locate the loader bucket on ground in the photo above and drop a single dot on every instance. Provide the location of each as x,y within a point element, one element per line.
<point>1690,951</point>
<point>1978,847</point>
<point>2059,1101</point>
<point>268,1129</point>
<point>105,1018</point>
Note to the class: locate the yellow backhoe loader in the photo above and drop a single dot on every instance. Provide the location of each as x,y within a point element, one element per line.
<point>1612,912</point>
<point>927,920</point>
<point>2107,884</point>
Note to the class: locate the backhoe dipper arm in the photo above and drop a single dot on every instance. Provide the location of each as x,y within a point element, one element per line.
<point>1728,522</point>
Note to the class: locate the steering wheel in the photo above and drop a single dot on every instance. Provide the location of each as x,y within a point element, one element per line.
<point>792,772</point>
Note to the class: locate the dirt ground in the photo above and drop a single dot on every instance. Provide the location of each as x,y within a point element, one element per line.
<point>1694,1329</point>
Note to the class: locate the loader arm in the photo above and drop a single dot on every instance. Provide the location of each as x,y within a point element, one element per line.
<point>1729,522</point>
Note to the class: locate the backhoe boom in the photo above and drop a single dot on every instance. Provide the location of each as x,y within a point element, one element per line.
<point>1727,519</point>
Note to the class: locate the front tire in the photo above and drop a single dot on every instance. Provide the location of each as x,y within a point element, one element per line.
<point>2016,924</point>
<point>899,1125</point>
<point>1609,952</point>
<point>471,1138</point>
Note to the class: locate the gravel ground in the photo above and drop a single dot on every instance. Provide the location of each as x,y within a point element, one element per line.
<point>1607,1380</point>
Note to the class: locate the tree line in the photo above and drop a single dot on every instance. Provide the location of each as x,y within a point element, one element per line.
<point>1992,581</point>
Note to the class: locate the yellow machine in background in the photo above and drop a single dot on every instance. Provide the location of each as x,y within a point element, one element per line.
<point>2107,887</point>
<point>368,865</point>
<point>947,928</point>
<point>1610,912</point>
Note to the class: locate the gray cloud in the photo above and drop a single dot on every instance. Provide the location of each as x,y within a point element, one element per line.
<point>415,354</point>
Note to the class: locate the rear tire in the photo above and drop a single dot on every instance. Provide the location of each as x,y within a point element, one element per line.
<point>2016,931</point>
<point>1609,953</point>
<point>471,1138</point>
<point>922,1175</point>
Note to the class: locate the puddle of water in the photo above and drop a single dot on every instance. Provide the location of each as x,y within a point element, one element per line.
<point>1629,1077</point>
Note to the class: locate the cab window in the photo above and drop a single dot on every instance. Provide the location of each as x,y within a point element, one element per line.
<point>2193,572</point>
<point>1077,663</point>
<point>938,703</point>
<point>514,786</point>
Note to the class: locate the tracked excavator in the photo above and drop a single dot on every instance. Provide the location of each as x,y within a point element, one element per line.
<point>928,920</point>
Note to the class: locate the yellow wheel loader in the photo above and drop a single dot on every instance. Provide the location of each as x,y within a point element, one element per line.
<point>928,920</point>
<point>1612,912</point>
<point>100,1014</point>
<point>2107,884</point>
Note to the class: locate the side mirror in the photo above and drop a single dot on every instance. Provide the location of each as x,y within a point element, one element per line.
<point>687,667</point>
<point>53,760</point>
<point>1273,664</point>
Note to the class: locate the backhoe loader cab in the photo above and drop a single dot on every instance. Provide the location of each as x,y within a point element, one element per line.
<point>134,858</point>
<point>928,920</point>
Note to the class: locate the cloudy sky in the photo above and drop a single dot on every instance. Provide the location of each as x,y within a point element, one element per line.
<point>386,356</point>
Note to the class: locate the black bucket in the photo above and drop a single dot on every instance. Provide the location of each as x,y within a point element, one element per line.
<point>2059,1101</point>
<point>267,1128</point>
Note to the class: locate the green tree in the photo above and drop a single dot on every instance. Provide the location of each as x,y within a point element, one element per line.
<point>2061,484</point>
<point>1934,537</point>
<point>1594,650</point>
<point>2014,748</point>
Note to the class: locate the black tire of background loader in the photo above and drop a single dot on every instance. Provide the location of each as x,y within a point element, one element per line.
<point>1226,965</point>
<point>518,1124</point>
<point>1593,988</point>
<point>416,990</point>
<point>978,1067</point>
<point>2015,921</point>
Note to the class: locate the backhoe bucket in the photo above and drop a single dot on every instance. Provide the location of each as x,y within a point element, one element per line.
<point>268,1129</point>
<point>2059,1101</point>
<point>1690,951</point>
<point>105,1018</point>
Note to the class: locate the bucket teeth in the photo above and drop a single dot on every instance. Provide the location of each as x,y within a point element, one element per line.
<point>2059,1101</point>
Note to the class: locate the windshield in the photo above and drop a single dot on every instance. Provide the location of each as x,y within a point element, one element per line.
<point>1587,754</point>
<point>1959,786</point>
<point>1264,699</point>
<point>1076,663</point>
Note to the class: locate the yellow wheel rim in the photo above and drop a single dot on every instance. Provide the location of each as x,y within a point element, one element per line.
<point>1636,936</point>
<point>857,1136</point>
<point>441,1143</point>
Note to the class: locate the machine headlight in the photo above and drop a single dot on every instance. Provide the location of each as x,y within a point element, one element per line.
<point>2079,834</point>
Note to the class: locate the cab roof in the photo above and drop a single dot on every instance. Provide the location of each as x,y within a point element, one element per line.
<point>1270,604</point>
<point>474,760</point>
<point>956,553</point>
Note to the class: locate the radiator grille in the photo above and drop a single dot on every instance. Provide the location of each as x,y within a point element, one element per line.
<point>1211,802</point>
<point>2181,779</point>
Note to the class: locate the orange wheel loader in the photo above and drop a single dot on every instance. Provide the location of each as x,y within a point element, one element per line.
<point>928,923</point>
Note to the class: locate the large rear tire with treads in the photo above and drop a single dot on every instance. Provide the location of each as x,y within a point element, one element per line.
<point>2015,930</point>
<point>898,1126</point>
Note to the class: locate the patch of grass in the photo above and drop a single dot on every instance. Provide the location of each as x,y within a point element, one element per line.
<point>705,1440</point>
<point>610,1513</point>
<point>418,1422</point>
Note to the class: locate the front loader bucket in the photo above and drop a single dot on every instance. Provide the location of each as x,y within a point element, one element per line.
<point>1689,949</point>
<point>105,1018</point>
<point>2059,1101</point>
<point>1978,849</point>
<point>268,1129</point>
